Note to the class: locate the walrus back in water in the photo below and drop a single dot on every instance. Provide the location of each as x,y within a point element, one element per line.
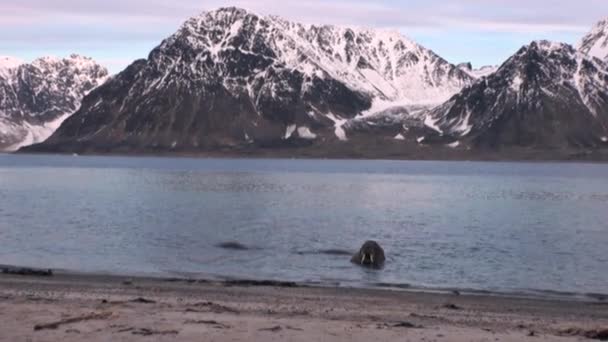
<point>370,255</point>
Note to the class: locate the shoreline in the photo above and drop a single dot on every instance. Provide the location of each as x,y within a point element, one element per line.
<point>237,156</point>
<point>74,307</point>
<point>220,280</point>
<point>339,152</point>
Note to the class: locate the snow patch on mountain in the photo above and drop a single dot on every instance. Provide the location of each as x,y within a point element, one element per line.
<point>431,122</point>
<point>35,98</point>
<point>595,43</point>
<point>33,133</point>
<point>382,63</point>
<point>279,79</point>
<point>547,93</point>
<point>305,133</point>
<point>289,131</point>
<point>338,129</point>
<point>8,62</point>
<point>8,65</point>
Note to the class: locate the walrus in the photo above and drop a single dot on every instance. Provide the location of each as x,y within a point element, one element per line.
<point>370,255</point>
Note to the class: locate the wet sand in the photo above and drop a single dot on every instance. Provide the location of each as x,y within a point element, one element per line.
<point>77,307</point>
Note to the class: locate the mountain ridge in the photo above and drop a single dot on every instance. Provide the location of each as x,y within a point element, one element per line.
<point>595,43</point>
<point>547,95</point>
<point>232,78</point>
<point>36,97</point>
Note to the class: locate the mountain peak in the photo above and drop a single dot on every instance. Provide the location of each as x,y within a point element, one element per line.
<point>9,62</point>
<point>547,45</point>
<point>546,95</point>
<point>8,65</point>
<point>221,15</point>
<point>595,43</point>
<point>539,51</point>
<point>230,10</point>
<point>54,88</point>
<point>230,77</point>
<point>380,62</point>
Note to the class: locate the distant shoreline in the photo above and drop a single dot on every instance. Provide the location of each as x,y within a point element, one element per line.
<point>100,307</point>
<point>441,154</point>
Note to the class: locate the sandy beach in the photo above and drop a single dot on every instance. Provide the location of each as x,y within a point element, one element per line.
<point>76,307</point>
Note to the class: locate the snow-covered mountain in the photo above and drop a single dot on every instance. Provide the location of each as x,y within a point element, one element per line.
<point>8,65</point>
<point>595,43</point>
<point>233,80</point>
<point>35,98</point>
<point>547,95</point>
<point>230,78</point>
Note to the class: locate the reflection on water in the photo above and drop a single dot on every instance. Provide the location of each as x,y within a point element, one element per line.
<point>494,226</point>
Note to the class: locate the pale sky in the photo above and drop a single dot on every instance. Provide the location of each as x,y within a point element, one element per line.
<point>116,32</point>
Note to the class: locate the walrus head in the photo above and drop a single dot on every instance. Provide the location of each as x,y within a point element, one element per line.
<point>370,255</point>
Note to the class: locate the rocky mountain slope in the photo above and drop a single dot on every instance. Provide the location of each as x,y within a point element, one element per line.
<point>595,43</point>
<point>232,78</point>
<point>35,98</point>
<point>548,95</point>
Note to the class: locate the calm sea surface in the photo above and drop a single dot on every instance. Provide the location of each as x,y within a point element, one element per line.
<point>486,226</point>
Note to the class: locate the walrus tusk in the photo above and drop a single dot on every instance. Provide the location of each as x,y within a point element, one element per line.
<point>371,256</point>
<point>362,258</point>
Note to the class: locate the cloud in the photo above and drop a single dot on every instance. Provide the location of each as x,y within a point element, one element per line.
<point>35,26</point>
<point>504,15</point>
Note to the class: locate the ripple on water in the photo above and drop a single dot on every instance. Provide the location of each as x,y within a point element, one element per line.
<point>507,226</point>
